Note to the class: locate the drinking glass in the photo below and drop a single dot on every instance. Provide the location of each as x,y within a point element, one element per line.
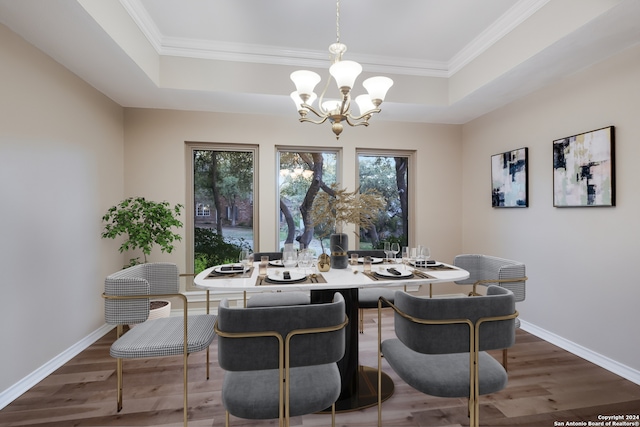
<point>366,263</point>
<point>413,254</point>
<point>354,259</point>
<point>395,248</point>
<point>405,256</point>
<point>387,250</point>
<point>420,260</point>
<point>289,258</point>
<point>305,259</point>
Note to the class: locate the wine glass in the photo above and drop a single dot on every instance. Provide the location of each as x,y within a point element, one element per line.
<point>387,250</point>
<point>423,255</point>
<point>395,248</point>
<point>246,260</point>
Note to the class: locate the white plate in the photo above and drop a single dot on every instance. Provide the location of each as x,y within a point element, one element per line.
<point>436,264</point>
<point>385,273</point>
<point>374,260</point>
<point>237,268</point>
<point>276,263</point>
<point>296,276</point>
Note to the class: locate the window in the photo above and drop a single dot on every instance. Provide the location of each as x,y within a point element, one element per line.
<point>221,215</point>
<point>388,173</point>
<point>302,174</point>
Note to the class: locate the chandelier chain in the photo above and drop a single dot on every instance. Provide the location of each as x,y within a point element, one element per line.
<point>337,21</point>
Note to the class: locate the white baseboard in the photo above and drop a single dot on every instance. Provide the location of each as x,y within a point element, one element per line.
<point>610,365</point>
<point>12,393</point>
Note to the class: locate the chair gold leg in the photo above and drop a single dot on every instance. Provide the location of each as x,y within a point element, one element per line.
<point>207,362</point>
<point>504,359</point>
<point>333,414</point>
<point>361,321</point>
<point>119,375</point>
<point>184,400</point>
<point>226,418</point>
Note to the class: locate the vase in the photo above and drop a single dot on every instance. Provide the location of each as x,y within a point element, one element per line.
<point>339,242</point>
<point>324,263</point>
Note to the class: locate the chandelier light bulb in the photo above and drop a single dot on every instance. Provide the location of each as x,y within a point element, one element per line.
<point>377,88</point>
<point>364,104</point>
<point>345,73</point>
<point>298,101</point>
<point>331,105</point>
<point>305,82</point>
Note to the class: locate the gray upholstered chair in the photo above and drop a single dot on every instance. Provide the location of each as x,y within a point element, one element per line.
<point>280,361</point>
<point>441,344</point>
<point>127,294</point>
<point>368,297</point>
<point>487,270</point>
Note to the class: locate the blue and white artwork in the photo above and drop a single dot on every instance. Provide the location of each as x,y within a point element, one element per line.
<point>583,169</point>
<point>509,182</point>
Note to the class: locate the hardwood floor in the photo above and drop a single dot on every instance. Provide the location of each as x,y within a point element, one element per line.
<point>546,385</point>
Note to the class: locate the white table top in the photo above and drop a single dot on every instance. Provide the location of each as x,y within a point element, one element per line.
<point>335,278</point>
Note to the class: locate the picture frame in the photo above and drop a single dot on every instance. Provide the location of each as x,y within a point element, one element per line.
<point>509,179</point>
<point>584,169</point>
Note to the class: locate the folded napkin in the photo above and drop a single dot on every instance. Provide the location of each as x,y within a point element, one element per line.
<point>394,271</point>
<point>232,268</point>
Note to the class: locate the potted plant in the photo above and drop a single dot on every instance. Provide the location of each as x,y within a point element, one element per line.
<point>145,223</point>
<point>343,207</point>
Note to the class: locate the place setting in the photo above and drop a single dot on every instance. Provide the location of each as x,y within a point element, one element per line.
<point>243,268</point>
<point>303,260</point>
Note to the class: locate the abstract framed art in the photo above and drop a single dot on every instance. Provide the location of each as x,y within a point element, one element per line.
<point>509,180</point>
<point>584,169</point>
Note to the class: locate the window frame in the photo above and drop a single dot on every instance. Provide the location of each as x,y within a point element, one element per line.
<point>411,180</point>
<point>299,148</point>
<point>190,147</point>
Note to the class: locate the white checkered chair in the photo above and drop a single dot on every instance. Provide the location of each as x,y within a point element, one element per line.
<point>127,294</point>
<point>486,270</point>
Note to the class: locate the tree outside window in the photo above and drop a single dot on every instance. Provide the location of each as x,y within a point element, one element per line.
<point>389,175</point>
<point>223,186</point>
<point>302,175</point>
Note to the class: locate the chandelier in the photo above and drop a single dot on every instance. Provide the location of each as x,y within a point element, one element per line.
<point>345,74</point>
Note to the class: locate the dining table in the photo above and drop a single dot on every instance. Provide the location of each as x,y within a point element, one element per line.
<point>360,383</point>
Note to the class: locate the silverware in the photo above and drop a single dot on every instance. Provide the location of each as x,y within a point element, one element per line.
<point>371,276</point>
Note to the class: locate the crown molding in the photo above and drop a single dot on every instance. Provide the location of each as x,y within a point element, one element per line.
<point>515,16</point>
<point>274,55</point>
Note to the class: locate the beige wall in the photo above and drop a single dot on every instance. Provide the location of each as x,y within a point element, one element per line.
<point>155,164</point>
<point>61,151</point>
<point>580,261</point>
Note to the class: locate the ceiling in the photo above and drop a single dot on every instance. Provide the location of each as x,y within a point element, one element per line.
<point>451,60</point>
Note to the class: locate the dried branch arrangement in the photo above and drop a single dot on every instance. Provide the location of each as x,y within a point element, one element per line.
<point>344,207</point>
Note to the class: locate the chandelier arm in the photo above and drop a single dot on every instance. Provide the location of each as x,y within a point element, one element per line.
<point>367,114</point>
<point>314,111</point>
<point>349,121</point>
<point>324,90</point>
<point>315,122</point>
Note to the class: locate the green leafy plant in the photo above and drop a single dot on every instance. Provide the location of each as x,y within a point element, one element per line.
<point>145,223</point>
<point>212,249</point>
